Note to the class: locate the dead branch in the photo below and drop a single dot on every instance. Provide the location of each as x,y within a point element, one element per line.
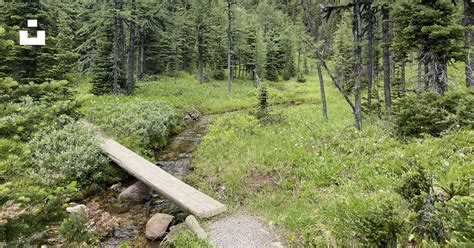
<point>319,56</point>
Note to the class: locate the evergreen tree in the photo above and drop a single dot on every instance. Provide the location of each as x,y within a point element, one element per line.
<point>29,63</point>
<point>103,70</point>
<point>432,29</point>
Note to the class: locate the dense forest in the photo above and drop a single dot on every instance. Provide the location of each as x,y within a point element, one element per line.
<point>340,123</point>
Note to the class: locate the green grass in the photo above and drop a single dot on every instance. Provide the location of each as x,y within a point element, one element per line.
<point>187,94</point>
<point>312,177</point>
<point>315,177</point>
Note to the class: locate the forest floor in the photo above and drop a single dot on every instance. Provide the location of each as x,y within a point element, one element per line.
<point>313,179</point>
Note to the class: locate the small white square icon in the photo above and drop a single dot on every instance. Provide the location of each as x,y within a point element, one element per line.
<point>32,23</point>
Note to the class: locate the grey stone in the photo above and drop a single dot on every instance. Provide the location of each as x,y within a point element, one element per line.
<point>157,226</point>
<point>136,192</point>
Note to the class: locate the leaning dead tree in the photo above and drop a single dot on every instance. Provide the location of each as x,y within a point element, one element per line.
<point>321,60</point>
<point>357,7</point>
<point>316,34</point>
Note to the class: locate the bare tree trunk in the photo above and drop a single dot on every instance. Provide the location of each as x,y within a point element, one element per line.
<point>441,77</point>
<point>404,82</point>
<point>420,81</point>
<point>131,54</point>
<point>469,21</point>
<point>119,50</point>
<point>427,76</point>
<point>370,68</point>
<point>117,58</point>
<point>358,65</point>
<point>386,58</point>
<point>299,59</point>
<point>323,93</point>
<point>200,47</point>
<point>305,62</point>
<point>238,64</point>
<point>229,40</point>
<point>141,59</point>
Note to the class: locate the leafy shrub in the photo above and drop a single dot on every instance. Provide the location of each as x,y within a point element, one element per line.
<point>433,114</point>
<point>263,115</point>
<point>217,74</point>
<point>263,98</point>
<point>75,230</point>
<point>380,225</point>
<point>25,109</point>
<point>301,78</point>
<point>415,185</point>
<point>21,120</point>
<point>416,189</point>
<point>70,153</point>
<point>140,125</point>
<point>458,215</point>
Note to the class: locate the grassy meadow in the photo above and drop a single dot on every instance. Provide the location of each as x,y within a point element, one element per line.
<point>320,182</point>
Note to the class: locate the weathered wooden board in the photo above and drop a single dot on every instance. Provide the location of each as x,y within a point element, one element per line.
<point>164,183</point>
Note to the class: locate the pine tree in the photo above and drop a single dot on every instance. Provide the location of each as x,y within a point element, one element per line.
<point>273,55</point>
<point>28,63</point>
<point>430,28</point>
<point>103,70</point>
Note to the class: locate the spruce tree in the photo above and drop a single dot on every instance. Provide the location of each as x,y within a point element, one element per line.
<point>102,72</point>
<point>431,28</point>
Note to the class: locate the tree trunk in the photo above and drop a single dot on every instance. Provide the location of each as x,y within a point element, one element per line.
<point>323,93</point>
<point>238,64</point>
<point>420,81</point>
<point>299,59</point>
<point>404,82</point>
<point>426,66</point>
<point>358,65</point>
<point>386,58</point>
<point>370,68</point>
<point>469,21</point>
<point>119,50</point>
<point>121,36</point>
<point>141,59</point>
<point>229,40</point>
<point>117,58</point>
<point>441,77</point>
<point>131,54</point>
<point>305,63</point>
<point>200,46</point>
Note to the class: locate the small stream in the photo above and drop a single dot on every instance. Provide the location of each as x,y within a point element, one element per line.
<point>174,158</point>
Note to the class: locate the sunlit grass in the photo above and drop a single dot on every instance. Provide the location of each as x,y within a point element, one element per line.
<point>313,176</point>
<point>185,94</point>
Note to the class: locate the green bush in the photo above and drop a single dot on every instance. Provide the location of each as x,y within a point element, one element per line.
<point>25,109</point>
<point>139,125</point>
<point>380,226</point>
<point>70,153</point>
<point>75,230</point>
<point>415,185</point>
<point>300,78</point>
<point>458,215</point>
<point>433,114</point>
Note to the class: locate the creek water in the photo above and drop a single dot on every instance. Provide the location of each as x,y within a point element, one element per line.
<point>132,216</point>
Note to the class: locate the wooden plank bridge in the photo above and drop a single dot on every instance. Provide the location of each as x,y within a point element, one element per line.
<point>173,189</point>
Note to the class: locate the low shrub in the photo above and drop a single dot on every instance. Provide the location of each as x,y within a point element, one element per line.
<point>458,214</point>
<point>433,114</point>
<point>25,109</point>
<point>139,125</point>
<point>300,78</point>
<point>75,229</point>
<point>380,226</point>
<point>65,154</point>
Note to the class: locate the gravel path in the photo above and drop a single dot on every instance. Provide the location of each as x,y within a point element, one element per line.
<point>243,230</point>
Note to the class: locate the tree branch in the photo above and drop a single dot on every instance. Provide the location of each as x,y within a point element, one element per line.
<point>319,56</point>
